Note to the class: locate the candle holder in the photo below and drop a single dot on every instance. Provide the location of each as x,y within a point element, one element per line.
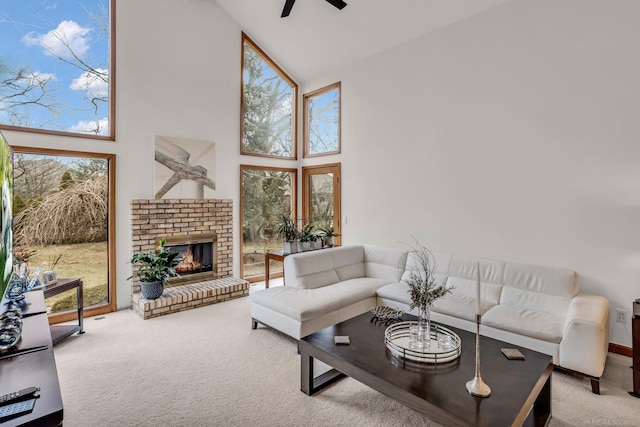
<point>476,386</point>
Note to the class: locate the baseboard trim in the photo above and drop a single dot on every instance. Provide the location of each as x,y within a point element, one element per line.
<point>620,349</point>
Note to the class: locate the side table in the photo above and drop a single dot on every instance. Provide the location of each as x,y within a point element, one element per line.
<point>60,332</point>
<point>276,256</point>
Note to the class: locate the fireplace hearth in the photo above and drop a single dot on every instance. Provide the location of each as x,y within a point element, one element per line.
<point>199,257</point>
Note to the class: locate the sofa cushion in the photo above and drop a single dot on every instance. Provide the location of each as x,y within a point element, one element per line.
<point>384,263</point>
<point>354,290</point>
<point>299,304</point>
<point>527,322</point>
<point>398,291</point>
<point>539,288</point>
<point>549,280</point>
<point>312,270</point>
<point>348,261</point>
<point>463,277</point>
<point>457,305</point>
<point>441,270</point>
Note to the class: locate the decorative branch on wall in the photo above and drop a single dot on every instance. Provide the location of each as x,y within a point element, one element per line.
<point>174,158</point>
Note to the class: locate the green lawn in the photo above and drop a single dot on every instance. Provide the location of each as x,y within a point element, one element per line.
<point>87,261</point>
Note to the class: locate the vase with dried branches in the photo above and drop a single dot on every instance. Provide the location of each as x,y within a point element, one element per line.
<point>423,289</point>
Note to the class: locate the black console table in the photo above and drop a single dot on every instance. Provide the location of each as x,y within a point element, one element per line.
<point>31,363</point>
<point>60,332</point>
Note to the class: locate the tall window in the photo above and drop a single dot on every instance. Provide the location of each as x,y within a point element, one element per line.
<point>266,194</point>
<point>322,121</point>
<point>63,220</point>
<point>321,198</point>
<point>268,106</point>
<point>56,67</point>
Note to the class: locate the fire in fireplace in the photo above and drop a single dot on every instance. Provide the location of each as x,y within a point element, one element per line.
<point>199,255</point>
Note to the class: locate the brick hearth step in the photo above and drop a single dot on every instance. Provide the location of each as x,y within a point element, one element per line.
<point>193,295</point>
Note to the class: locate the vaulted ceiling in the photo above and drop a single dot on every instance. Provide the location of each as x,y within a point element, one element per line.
<point>316,37</point>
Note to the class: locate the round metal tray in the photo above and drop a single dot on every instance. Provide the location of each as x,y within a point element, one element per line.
<point>396,338</point>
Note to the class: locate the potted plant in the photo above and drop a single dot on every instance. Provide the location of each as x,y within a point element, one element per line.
<point>307,237</point>
<point>154,268</point>
<point>328,233</point>
<point>287,230</point>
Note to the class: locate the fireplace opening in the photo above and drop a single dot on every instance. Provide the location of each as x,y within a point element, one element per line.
<point>199,256</point>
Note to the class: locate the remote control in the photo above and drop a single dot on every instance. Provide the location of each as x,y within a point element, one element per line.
<point>16,409</point>
<point>18,395</point>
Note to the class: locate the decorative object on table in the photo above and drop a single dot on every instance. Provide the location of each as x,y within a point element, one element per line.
<point>386,313</point>
<point>21,258</point>
<point>476,386</point>
<point>341,340</point>
<point>16,289</point>
<point>444,345</point>
<point>49,277</point>
<point>154,268</point>
<point>287,230</point>
<point>423,290</point>
<point>35,283</point>
<point>10,329</point>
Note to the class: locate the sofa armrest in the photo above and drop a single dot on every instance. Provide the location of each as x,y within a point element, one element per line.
<point>289,272</point>
<point>585,340</point>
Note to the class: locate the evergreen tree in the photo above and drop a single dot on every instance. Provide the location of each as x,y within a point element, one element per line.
<point>66,181</point>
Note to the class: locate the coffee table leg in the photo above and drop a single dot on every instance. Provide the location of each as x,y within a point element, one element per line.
<point>306,374</point>
<point>542,405</point>
<point>309,384</point>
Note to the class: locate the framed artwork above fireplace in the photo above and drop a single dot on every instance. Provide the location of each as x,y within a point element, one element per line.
<point>184,168</point>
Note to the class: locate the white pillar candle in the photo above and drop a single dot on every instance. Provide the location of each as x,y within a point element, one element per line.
<point>478,290</point>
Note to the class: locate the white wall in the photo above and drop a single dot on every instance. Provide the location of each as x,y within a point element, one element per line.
<point>512,134</point>
<point>178,74</point>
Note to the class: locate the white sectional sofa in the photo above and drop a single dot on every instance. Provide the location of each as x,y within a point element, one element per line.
<point>530,306</point>
<point>325,287</point>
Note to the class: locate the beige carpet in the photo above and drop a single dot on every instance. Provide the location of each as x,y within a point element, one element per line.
<point>206,367</point>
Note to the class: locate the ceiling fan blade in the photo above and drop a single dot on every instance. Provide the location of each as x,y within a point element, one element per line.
<point>337,3</point>
<point>287,8</point>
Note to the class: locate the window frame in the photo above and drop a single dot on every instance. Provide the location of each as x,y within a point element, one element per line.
<point>294,112</point>
<point>112,93</point>
<point>110,306</point>
<point>305,121</point>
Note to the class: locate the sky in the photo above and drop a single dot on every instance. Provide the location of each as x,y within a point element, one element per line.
<point>30,34</point>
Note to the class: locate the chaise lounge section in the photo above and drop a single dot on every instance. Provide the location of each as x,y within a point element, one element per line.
<point>326,287</point>
<point>531,306</point>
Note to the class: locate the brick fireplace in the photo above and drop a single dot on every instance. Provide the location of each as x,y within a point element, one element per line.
<point>186,223</point>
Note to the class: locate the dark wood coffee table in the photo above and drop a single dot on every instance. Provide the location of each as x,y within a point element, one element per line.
<point>520,390</point>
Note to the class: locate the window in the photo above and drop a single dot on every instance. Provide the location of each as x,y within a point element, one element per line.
<point>64,214</point>
<point>321,197</point>
<point>266,194</point>
<point>322,121</point>
<point>56,67</point>
<point>268,106</point>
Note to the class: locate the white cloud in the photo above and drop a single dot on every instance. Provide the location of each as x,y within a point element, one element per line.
<point>85,126</point>
<point>36,77</point>
<point>89,82</point>
<point>68,36</point>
